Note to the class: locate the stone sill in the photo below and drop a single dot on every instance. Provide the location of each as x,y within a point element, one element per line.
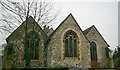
<point>71,58</point>
<point>34,60</point>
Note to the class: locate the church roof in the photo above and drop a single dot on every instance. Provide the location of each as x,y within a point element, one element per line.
<point>60,26</point>
<point>17,34</point>
<point>89,29</point>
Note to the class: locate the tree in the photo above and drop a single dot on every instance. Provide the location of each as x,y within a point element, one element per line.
<point>21,11</point>
<point>116,57</point>
<point>115,54</point>
<point>17,12</point>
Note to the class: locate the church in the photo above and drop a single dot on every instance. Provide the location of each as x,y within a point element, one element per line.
<point>66,46</point>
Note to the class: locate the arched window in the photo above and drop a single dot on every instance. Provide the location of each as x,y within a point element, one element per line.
<point>93,50</point>
<point>33,44</point>
<point>70,41</point>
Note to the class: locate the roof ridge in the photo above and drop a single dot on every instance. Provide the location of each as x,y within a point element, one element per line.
<point>23,23</point>
<point>88,29</point>
<point>60,24</point>
<point>63,22</point>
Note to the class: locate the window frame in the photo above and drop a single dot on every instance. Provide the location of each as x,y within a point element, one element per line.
<point>93,51</point>
<point>29,47</point>
<point>74,36</point>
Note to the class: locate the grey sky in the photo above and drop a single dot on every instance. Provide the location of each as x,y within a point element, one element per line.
<point>104,15</point>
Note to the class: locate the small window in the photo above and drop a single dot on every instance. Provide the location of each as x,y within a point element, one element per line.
<point>93,51</point>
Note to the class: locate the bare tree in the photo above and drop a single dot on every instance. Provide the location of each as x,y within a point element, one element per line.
<point>18,12</point>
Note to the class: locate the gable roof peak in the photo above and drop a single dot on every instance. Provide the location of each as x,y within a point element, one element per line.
<point>30,20</point>
<point>70,14</point>
<point>88,29</point>
<point>30,17</point>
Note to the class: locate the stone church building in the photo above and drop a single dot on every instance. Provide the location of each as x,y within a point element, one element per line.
<point>66,46</point>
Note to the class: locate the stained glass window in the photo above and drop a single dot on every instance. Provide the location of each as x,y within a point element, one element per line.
<point>93,51</point>
<point>33,44</point>
<point>70,44</point>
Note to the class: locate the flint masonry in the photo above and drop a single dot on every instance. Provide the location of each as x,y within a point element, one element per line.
<point>66,46</point>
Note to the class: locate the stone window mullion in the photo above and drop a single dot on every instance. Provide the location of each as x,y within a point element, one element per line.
<point>68,46</point>
<point>29,44</point>
<point>39,52</point>
<point>92,52</point>
<point>77,48</point>
<point>34,50</point>
<point>73,46</point>
<point>64,47</point>
<point>95,52</point>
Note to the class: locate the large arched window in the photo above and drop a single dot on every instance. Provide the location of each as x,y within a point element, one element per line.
<point>93,50</point>
<point>70,44</point>
<point>33,44</point>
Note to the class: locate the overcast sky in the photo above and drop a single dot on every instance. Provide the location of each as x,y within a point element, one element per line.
<point>102,14</point>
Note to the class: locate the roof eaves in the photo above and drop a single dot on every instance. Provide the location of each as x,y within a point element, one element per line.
<point>102,37</point>
<point>7,39</point>
<point>60,25</point>
<point>63,22</point>
<point>80,29</point>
